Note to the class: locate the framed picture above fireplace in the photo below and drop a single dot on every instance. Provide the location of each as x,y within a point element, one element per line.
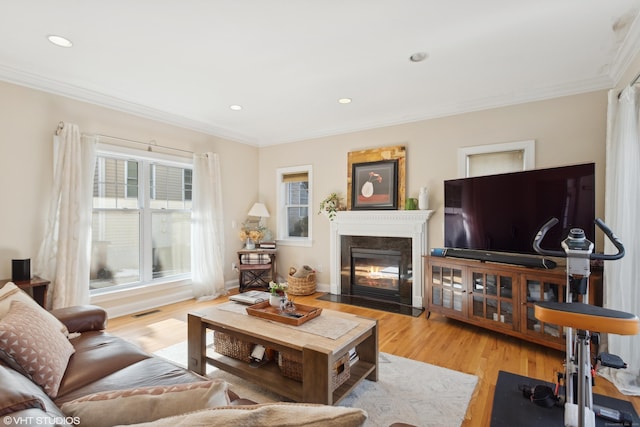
<point>361,160</point>
<point>374,185</point>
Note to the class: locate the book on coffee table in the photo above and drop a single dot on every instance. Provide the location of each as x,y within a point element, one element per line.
<point>250,297</point>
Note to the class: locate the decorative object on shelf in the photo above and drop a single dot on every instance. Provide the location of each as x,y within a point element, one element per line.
<point>411,204</point>
<point>278,293</point>
<point>394,153</point>
<point>423,199</point>
<point>287,305</point>
<point>250,244</point>
<point>267,244</point>
<point>250,237</point>
<point>330,205</point>
<point>278,288</point>
<point>253,231</point>
<point>375,185</point>
<point>275,300</point>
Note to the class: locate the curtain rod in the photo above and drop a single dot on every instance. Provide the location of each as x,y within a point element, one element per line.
<point>631,83</point>
<point>150,145</point>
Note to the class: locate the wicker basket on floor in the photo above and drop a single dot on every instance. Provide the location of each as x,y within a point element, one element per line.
<point>291,367</point>
<point>232,347</point>
<point>301,285</point>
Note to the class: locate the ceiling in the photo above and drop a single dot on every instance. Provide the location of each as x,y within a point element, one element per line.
<point>287,62</point>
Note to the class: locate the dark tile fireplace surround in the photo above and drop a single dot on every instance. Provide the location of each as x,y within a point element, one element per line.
<point>377,268</point>
<point>376,272</point>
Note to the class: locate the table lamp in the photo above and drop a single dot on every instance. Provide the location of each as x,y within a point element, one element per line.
<point>259,210</point>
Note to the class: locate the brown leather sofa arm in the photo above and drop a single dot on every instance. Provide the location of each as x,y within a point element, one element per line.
<point>82,318</point>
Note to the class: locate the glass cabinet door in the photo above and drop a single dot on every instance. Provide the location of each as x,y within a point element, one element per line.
<point>492,297</point>
<point>447,288</point>
<point>541,289</point>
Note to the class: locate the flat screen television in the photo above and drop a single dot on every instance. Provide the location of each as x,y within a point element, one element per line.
<point>503,212</point>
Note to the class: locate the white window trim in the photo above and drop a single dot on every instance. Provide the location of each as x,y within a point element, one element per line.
<point>281,224</point>
<point>110,150</point>
<point>528,148</point>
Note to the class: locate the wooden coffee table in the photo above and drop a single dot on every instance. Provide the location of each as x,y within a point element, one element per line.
<point>319,354</point>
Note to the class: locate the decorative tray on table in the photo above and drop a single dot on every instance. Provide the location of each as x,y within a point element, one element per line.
<point>296,317</point>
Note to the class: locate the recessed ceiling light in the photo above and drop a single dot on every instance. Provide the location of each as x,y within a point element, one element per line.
<point>344,101</point>
<point>235,107</point>
<point>60,41</point>
<point>418,57</point>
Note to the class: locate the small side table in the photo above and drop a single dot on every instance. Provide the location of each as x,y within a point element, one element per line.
<point>256,275</point>
<point>36,286</point>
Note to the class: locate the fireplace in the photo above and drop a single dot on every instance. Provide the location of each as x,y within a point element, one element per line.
<point>400,231</point>
<point>376,273</point>
<point>377,268</point>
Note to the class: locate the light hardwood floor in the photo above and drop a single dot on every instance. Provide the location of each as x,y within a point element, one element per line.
<point>439,341</point>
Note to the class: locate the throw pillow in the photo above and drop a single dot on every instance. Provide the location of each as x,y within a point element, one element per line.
<point>14,395</point>
<point>20,402</point>
<point>106,409</point>
<point>30,340</point>
<point>10,292</point>
<point>268,414</point>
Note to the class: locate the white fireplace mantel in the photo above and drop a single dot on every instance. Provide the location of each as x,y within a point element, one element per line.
<point>412,224</point>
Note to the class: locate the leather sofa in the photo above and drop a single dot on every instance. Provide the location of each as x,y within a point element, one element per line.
<point>101,362</point>
<point>105,365</point>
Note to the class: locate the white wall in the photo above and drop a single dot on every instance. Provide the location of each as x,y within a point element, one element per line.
<point>567,130</point>
<point>28,119</point>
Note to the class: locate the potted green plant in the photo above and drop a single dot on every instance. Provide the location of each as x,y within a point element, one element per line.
<point>277,293</point>
<point>330,205</point>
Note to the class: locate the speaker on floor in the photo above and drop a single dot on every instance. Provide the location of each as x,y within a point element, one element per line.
<point>20,269</point>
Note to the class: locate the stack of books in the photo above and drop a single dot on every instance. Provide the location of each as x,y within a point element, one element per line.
<point>250,298</point>
<point>267,245</point>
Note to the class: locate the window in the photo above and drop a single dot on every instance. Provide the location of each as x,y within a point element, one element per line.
<point>141,225</point>
<point>294,198</point>
<point>496,158</point>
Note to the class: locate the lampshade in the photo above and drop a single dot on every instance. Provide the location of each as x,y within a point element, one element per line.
<point>259,209</point>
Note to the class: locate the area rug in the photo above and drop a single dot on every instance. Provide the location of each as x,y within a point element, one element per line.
<point>510,408</point>
<point>406,391</point>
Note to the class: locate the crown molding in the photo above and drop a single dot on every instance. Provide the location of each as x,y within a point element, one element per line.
<point>45,84</point>
<point>628,52</point>
<point>506,99</point>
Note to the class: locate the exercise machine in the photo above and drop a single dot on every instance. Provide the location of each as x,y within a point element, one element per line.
<point>576,313</point>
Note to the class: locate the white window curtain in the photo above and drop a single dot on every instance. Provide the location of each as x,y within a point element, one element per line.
<point>207,251</point>
<point>64,254</point>
<point>622,210</point>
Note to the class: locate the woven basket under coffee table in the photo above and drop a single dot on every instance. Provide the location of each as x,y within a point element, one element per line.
<point>301,285</point>
<point>291,367</point>
<point>232,346</point>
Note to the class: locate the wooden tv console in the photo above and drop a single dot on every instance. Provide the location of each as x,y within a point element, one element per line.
<point>499,297</point>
